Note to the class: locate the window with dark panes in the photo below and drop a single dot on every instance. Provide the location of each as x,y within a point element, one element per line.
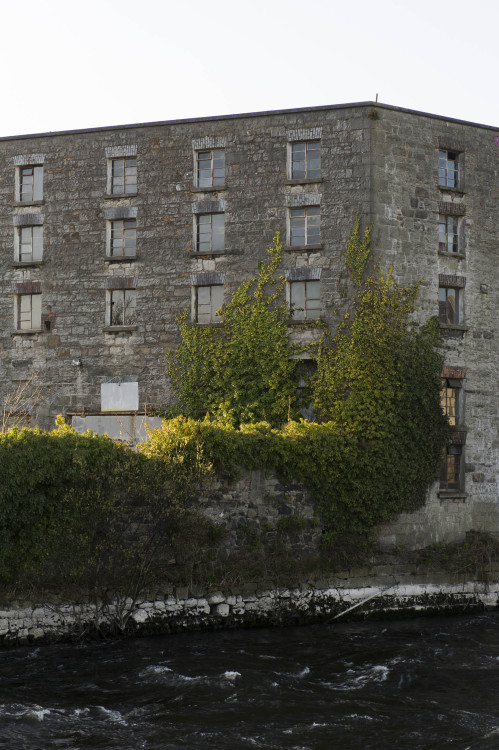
<point>122,307</point>
<point>448,169</point>
<point>31,184</point>
<point>304,299</point>
<point>448,234</point>
<point>208,301</point>
<point>29,312</point>
<point>124,175</point>
<point>30,244</point>
<point>450,400</point>
<point>123,238</point>
<point>306,160</point>
<point>449,311</point>
<point>450,471</point>
<point>304,225</point>
<point>210,233</point>
<point>211,168</point>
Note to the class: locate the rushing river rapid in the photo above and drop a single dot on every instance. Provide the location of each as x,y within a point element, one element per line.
<point>425,683</point>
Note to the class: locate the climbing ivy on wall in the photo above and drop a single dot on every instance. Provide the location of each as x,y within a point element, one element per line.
<point>380,431</point>
<point>242,370</point>
<point>84,511</point>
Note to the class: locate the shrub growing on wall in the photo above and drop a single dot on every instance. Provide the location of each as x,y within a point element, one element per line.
<point>241,369</point>
<point>376,393</point>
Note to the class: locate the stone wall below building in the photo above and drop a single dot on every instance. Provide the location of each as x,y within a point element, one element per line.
<point>26,623</point>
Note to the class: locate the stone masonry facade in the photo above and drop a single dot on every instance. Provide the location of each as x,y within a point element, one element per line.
<point>108,234</point>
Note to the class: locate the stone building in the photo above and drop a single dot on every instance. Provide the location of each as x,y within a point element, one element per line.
<point>108,233</point>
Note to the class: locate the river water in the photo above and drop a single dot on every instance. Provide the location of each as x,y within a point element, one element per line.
<point>424,683</point>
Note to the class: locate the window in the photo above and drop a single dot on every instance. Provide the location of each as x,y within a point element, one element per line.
<point>210,233</point>
<point>451,400</point>
<point>122,307</point>
<point>28,312</point>
<point>448,169</point>
<point>304,300</point>
<point>31,183</point>
<point>306,160</point>
<point>124,175</point>
<point>451,469</point>
<point>449,304</point>
<point>29,244</point>
<point>304,226</point>
<point>448,234</point>
<point>123,238</point>
<point>208,301</point>
<point>210,168</point>
<point>306,370</point>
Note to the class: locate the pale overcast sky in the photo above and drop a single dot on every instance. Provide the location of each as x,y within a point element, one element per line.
<point>72,65</point>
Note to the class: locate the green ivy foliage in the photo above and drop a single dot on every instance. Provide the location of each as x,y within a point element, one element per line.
<point>85,513</point>
<point>241,370</point>
<point>358,251</point>
<point>82,511</point>
<point>380,434</point>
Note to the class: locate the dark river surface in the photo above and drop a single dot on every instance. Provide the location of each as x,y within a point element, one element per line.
<point>423,683</point>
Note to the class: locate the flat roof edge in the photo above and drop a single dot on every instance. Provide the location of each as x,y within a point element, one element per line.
<point>245,115</point>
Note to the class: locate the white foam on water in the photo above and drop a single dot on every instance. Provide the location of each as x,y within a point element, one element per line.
<point>37,712</point>
<point>356,717</point>
<point>114,716</point>
<point>231,675</point>
<point>155,669</point>
<point>305,671</point>
<point>377,673</point>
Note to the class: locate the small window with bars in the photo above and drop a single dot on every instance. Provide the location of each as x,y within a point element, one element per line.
<point>451,474</point>
<point>448,234</point>
<point>123,238</point>
<point>448,169</point>
<point>449,305</point>
<point>207,303</point>
<point>451,400</point>
<point>124,176</point>
<point>210,168</point>
<point>29,244</point>
<point>304,226</point>
<point>306,160</point>
<point>304,300</point>
<point>31,184</point>
<point>28,312</point>
<point>122,306</point>
<point>210,233</point>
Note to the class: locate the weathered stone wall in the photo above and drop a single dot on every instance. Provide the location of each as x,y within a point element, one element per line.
<point>75,271</point>
<point>380,160</point>
<point>407,200</point>
<point>180,610</point>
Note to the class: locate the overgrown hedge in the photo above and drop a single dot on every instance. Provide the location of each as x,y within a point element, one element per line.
<point>85,512</point>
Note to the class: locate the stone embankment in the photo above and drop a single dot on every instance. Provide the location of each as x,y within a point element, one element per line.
<point>25,624</point>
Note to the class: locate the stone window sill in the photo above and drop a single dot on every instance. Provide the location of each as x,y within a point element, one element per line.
<point>306,323</point>
<point>302,248</point>
<point>27,263</point>
<point>208,325</point>
<point>304,181</point>
<point>455,495</point>
<point>114,196</point>
<point>119,329</point>
<point>459,256</point>
<point>212,189</point>
<point>449,327</point>
<point>120,258</point>
<point>455,190</point>
<point>27,332</point>
<point>195,254</point>
<point>19,204</point>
